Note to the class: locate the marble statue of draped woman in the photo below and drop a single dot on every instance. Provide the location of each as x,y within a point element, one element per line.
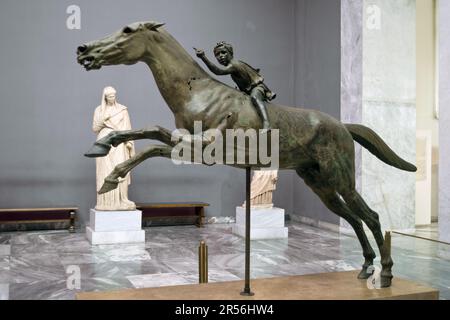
<point>112,116</point>
<point>263,185</point>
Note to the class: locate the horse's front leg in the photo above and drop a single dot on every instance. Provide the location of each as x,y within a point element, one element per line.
<point>101,147</point>
<point>121,170</point>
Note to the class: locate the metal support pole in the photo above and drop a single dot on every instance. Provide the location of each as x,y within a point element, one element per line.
<point>203,262</point>
<point>72,222</point>
<point>247,291</point>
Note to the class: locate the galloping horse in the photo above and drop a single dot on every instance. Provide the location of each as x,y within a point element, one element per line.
<point>317,146</point>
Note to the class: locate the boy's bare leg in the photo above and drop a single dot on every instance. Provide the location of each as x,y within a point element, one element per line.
<point>258,102</point>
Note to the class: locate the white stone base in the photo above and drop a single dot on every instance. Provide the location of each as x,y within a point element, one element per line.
<point>266,223</point>
<point>114,237</point>
<point>262,233</point>
<point>115,227</point>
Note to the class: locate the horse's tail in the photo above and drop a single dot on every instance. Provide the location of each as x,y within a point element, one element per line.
<point>373,142</point>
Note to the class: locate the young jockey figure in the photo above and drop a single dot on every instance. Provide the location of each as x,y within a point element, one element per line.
<point>245,76</point>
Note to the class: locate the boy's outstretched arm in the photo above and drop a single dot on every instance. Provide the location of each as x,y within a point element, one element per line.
<point>211,66</point>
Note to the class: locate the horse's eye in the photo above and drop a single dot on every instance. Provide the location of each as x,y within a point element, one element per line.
<point>127,30</point>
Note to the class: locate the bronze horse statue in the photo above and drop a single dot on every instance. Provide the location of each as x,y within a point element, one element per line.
<point>318,147</point>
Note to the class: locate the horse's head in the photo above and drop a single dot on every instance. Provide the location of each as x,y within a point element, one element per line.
<point>126,46</point>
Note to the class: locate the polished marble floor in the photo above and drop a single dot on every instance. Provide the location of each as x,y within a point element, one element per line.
<point>39,265</point>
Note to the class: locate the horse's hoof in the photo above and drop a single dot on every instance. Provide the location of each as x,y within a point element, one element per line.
<point>98,150</point>
<point>364,275</point>
<point>385,281</point>
<point>109,185</point>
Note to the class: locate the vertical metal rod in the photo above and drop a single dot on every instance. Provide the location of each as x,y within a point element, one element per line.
<point>72,222</point>
<point>247,291</point>
<point>203,262</point>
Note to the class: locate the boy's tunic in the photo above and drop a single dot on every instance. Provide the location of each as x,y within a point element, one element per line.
<point>247,78</point>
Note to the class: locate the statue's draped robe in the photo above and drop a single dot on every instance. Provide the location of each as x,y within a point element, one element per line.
<point>116,199</point>
<point>263,184</point>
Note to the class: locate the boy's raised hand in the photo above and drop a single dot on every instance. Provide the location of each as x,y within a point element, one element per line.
<point>199,52</point>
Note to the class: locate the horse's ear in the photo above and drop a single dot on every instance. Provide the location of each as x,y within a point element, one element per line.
<point>154,26</point>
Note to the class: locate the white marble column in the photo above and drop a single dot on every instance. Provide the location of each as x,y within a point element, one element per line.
<point>444,120</point>
<point>389,107</point>
<point>378,89</point>
<point>352,73</point>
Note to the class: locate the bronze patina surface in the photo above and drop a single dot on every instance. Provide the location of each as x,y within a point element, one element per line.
<point>317,146</point>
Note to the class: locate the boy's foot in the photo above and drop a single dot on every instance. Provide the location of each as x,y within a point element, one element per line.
<point>266,128</point>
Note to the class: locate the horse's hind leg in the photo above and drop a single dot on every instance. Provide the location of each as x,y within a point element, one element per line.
<point>370,217</point>
<point>333,202</point>
<point>121,170</point>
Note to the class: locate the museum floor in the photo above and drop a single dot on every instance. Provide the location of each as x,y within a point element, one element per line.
<point>33,264</point>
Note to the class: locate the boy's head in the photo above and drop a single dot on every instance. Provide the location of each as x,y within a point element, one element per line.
<point>223,52</point>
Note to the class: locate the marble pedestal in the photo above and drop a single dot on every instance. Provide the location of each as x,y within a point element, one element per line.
<point>266,223</point>
<point>115,227</point>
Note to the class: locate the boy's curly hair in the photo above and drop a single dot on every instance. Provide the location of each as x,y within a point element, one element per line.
<point>225,45</point>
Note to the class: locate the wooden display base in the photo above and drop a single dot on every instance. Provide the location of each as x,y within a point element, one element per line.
<point>325,286</point>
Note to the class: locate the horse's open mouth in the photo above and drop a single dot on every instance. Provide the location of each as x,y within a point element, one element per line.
<point>89,63</point>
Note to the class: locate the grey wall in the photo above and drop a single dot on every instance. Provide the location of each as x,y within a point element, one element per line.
<point>317,80</point>
<point>47,100</point>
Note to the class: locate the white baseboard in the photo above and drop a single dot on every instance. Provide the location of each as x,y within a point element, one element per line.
<point>220,220</point>
<point>315,223</point>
